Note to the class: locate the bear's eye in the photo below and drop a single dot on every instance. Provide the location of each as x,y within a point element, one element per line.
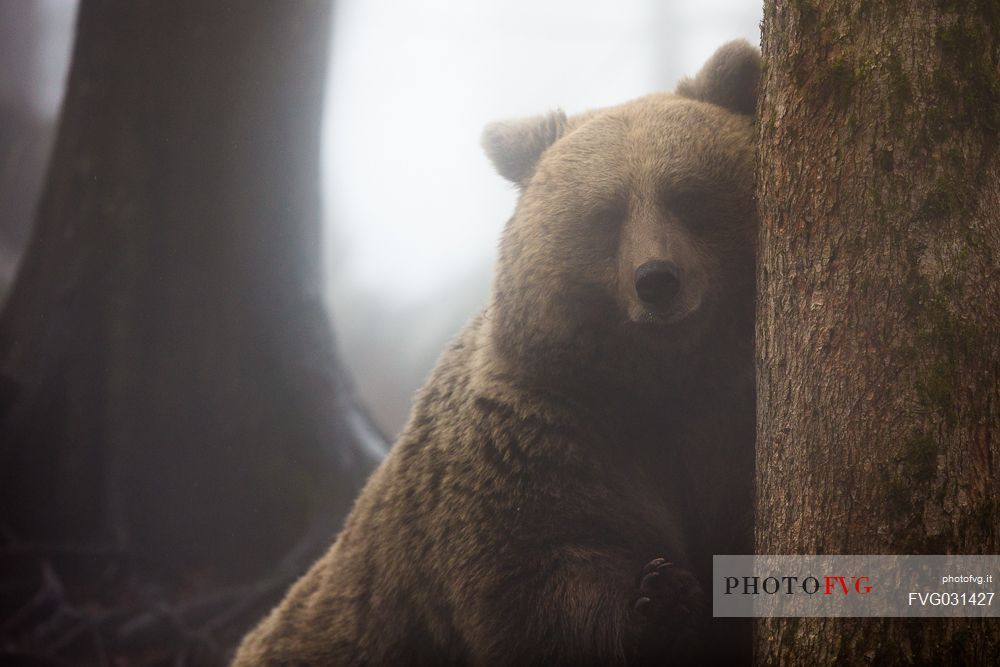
<point>698,209</point>
<point>607,217</point>
<point>687,199</point>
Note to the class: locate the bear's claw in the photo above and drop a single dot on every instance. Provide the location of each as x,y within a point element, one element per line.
<point>666,592</point>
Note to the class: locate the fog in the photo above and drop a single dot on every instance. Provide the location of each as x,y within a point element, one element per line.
<point>413,209</point>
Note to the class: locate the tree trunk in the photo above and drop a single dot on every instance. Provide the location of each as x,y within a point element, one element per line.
<point>170,383</point>
<point>879,305</point>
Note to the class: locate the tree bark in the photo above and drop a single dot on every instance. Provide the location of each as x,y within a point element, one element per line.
<point>879,305</point>
<point>170,383</point>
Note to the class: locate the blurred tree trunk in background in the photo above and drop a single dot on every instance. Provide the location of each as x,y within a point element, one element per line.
<point>28,81</point>
<point>171,390</point>
<point>879,306</point>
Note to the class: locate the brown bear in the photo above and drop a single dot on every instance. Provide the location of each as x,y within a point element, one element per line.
<point>586,444</point>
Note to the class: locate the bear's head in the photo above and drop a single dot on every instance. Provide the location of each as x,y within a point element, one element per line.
<point>630,256</point>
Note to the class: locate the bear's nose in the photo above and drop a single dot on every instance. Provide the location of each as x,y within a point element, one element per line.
<point>657,283</point>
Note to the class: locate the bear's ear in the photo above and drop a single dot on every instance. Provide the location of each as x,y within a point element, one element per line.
<point>729,78</point>
<point>514,146</point>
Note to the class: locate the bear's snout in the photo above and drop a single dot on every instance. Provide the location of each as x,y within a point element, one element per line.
<point>657,284</point>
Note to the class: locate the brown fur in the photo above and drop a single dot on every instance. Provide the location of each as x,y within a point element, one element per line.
<point>568,436</point>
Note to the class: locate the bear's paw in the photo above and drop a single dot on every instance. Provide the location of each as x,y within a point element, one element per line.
<point>668,595</point>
